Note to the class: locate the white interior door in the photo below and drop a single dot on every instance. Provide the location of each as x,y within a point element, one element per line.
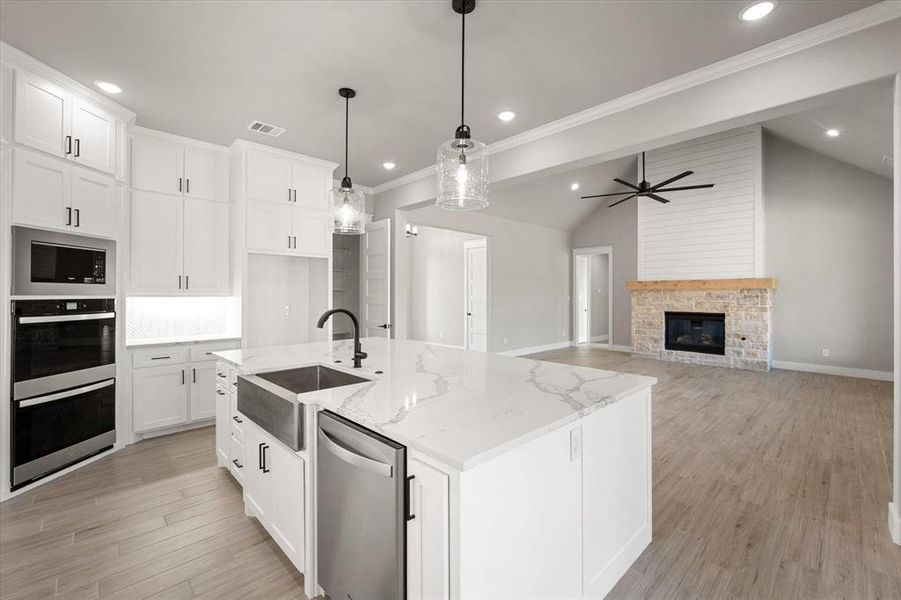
<point>583,299</point>
<point>476,285</point>
<point>377,279</point>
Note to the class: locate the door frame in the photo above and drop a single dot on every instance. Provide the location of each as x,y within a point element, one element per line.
<point>589,252</point>
<point>480,243</point>
<point>376,224</point>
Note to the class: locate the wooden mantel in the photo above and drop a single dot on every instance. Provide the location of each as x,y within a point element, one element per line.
<point>705,284</point>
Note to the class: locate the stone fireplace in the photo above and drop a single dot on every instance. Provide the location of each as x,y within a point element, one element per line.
<point>720,322</point>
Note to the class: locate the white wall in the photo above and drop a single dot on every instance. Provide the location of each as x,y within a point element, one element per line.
<point>829,242</point>
<point>529,276</point>
<point>599,294</point>
<point>714,233</point>
<point>435,302</point>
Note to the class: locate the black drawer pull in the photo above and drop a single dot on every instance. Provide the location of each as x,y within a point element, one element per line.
<point>237,420</point>
<point>220,392</point>
<point>237,464</point>
<point>159,357</point>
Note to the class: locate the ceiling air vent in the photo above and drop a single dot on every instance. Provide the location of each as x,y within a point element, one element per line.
<point>265,128</point>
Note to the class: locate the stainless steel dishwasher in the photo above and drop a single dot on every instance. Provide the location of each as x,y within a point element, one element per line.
<point>362,512</point>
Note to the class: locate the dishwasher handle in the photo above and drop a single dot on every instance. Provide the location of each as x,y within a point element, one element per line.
<point>357,460</point>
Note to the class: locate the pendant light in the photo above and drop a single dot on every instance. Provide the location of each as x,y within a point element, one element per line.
<point>462,162</point>
<point>347,203</point>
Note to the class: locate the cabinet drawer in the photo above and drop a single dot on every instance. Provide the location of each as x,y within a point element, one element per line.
<point>222,376</point>
<point>237,458</point>
<point>202,352</point>
<point>158,356</point>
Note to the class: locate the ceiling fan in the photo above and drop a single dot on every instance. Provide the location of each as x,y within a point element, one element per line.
<point>645,189</point>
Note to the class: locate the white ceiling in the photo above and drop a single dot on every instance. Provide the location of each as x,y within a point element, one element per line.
<point>862,114</point>
<point>206,69</point>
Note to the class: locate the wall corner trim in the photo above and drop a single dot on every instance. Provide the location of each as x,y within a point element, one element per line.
<point>894,522</point>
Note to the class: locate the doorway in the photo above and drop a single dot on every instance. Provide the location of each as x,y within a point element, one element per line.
<point>475,287</point>
<point>592,297</point>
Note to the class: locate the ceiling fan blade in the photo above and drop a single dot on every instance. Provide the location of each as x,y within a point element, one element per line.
<point>623,200</point>
<point>605,195</point>
<point>671,179</point>
<point>685,187</point>
<point>658,198</point>
<point>627,184</point>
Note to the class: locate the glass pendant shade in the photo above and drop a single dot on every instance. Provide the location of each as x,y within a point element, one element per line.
<point>462,175</point>
<point>347,210</point>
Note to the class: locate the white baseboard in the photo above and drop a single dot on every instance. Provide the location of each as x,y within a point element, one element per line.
<point>155,433</point>
<point>834,370</point>
<point>894,521</point>
<point>600,338</point>
<point>536,349</point>
<point>601,584</point>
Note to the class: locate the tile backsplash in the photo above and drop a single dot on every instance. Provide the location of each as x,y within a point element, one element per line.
<point>151,318</point>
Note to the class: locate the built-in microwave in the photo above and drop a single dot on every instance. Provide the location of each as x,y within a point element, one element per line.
<point>52,263</point>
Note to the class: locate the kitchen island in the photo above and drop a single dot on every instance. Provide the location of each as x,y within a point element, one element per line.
<point>530,479</point>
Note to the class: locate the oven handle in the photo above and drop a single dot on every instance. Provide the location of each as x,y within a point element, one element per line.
<point>61,318</point>
<point>66,394</point>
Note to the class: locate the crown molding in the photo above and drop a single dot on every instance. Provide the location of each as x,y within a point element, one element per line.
<point>16,59</point>
<point>868,17</point>
<point>178,139</point>
<point>240,143</point>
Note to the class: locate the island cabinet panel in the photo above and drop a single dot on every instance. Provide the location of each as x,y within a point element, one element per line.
<point>428,559</point>
<point>616,488</point>
<point>223,427</point>
<point>520,522</point>
<point>257,477</point>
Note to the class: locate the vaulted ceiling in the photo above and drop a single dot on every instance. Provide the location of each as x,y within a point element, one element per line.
<point>206,69</point>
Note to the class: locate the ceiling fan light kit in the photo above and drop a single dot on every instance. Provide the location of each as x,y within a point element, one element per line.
<point>645,190</point>
<point>462,162</point>
<point>347,203</point>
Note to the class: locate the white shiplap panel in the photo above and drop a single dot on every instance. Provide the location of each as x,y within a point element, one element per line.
<point>711,233</point>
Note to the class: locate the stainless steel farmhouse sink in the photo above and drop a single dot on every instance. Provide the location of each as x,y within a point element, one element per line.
<point>270,399</point>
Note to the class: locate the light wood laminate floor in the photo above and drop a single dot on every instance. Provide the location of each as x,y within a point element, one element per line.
<point>765,486</point>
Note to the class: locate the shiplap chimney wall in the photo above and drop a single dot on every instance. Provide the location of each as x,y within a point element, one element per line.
<point>715,233</point>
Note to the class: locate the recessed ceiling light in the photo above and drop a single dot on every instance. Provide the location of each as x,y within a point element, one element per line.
<point>109,88</point>
<point>388,165</point>
<point>574,186</point>
<point>757,11</point>
<point>506,115</point>
<point>833,132</point>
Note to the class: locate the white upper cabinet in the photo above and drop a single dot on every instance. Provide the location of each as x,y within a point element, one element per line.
<point>170,166</point>
<point>156,165</point>
<point>43,114</point>
<point>268,177</point>
<point>310,186</point>
<point>93,136</point>
<point>308,231</point>
<point>51,119</point>
<point>269,228</point>
<point>53,194</point>
<point>94,203</point>
<point>206,256</point>
<point>157,237</point>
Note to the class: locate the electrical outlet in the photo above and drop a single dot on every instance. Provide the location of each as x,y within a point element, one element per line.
<point>575,443</point>
<point>287,310</point>
<point>826,352</point>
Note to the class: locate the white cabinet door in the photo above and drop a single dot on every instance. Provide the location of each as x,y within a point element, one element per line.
<point>42,188</point>
<point>94,203</point>
<point>310,186</point>
<point>269,227</point>
<point>223,425</point>
<point>309,229</point>
<point>268,177</point>
<point>428,561</point>
<point>43,113</point>
<point>159,396</point>
<point>287,517</point>
<point>157,227</point>
<point>238,459</point>
<point>206,247</point>
<point>157,165</point>
<point>203,390</point>
<point>94,136</point>
<point>206,174</point>
<point>258,473</point>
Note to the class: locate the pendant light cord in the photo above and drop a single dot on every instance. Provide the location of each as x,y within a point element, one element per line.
<point>462,66</point>
<point>346,129</point>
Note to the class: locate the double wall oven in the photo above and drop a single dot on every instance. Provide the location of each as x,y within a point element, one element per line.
<point>63,352</point>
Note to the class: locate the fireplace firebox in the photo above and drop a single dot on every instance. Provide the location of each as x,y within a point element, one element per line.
<point>696,332</point>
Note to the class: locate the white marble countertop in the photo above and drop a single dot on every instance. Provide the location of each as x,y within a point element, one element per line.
<point>459,407</point>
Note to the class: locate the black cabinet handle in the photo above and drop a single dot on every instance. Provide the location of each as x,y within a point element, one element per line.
<point>187,282</point>
<point>179,184</point>
<point>235,383</point>
<point>68,144</point>
<point>237,464</point>
<point>179,282</point>
<point>78,217</point>
<point>159,357</point>
<point>265,465</point>
<point>77,147</point>
<point>260,456</point>
<point>187,186</point>
<point>237,420</point>
<point>193,375</point>
<point>182,376</point>
<point>295,242</point>
<point>220,375</point>
<point>68,215</point>
<point>295,196</point>
<point>220,392</point>
<point>289,194</point>
<point>407,497</point>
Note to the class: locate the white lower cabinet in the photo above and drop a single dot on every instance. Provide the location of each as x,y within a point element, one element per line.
<point>203,390</point>
<point>160,397</point>
<point>428,561</point>
<point>274,490</point>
